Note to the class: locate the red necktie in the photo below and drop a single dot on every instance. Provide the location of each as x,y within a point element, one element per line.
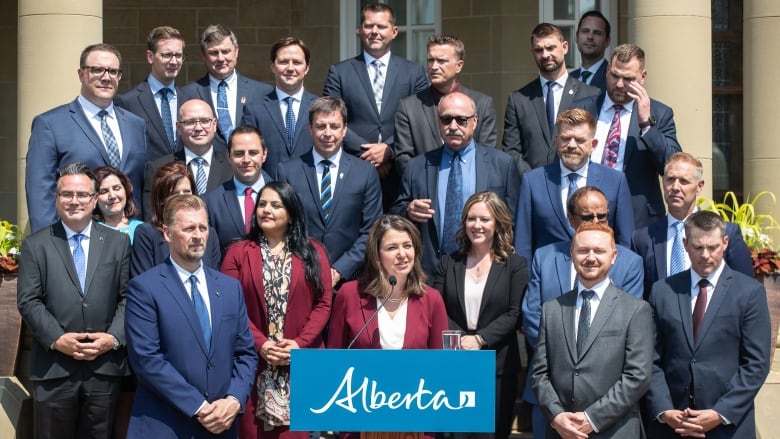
<point>700,307</point>
<point>249,208</point>
<point>612,145</point>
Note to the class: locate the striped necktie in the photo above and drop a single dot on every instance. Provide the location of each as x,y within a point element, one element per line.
<point>326,192</point>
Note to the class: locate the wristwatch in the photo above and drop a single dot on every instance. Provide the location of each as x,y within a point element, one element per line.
<point>116,343</point>
<point>648,123</point>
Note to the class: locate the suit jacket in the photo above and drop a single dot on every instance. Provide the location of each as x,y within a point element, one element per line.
<point>175,368</point>
<point>220,170</point>
<point>541,218</point>
<point>526,134</point>
<point>151,249</point>
<point>644,158</point>
<point>357,203</point>
<point>650,243</point>
<point>417,125</point>
<point>426,318</point>
<point>266,117</point>
<point>499,310</point>
<point>62,136</point>
<point>248,91</point>
<point>599,79</point>
<point>50,300</point>
<point>349,81</point>
<point>725,367</point>
<point>611,374</point>
<point>495,172</point>
<point>139,100</point>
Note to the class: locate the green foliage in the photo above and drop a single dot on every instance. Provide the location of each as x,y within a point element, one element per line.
<point>10,239</point>
<point>755,227</point>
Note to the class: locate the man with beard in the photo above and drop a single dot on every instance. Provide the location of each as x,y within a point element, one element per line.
<point>529,122</point>
<point>541,209</point>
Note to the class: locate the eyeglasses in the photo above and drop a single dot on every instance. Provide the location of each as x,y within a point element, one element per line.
<point>167,56</point>
<point>99,71</point>
<point>460,120</point>
<point>591,216</point>
<point>190,123</point>
<point>81,197</point>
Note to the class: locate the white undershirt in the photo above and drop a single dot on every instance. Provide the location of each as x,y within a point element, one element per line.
<point>392,329</point>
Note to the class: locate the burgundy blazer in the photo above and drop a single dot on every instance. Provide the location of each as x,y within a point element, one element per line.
<point>426,318</point>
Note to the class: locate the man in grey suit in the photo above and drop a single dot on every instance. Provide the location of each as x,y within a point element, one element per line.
<point>90,130</point>
<point>71,293</point>
<point>594,357</point>
<point>155,98</point>
<point>416,123</point>
<point>592,41</point>
<point>529,121</point>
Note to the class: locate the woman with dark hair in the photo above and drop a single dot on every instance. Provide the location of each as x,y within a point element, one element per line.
<point>287,287</point>
<point>149,246</point>
<point>115,207</point>
<point>482,284</point>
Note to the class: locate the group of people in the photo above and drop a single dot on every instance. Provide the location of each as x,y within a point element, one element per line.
<point>377,216</point>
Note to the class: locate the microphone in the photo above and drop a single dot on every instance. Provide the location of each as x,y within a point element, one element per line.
<point>392,281</point>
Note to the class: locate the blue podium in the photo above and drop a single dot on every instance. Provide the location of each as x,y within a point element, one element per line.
<point>392,390</point>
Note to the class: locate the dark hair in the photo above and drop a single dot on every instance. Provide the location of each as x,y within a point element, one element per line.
<point>374,281</point>
<point>77,168</point>
<point>502,239</point>
<point>377,8</point>
<point>597,14</point>
<point>99,47</point>
<point>290,41</point>
<point>162,33</point>
<point>215,33</point>
<point>328,104</point>
<point>705,220</point>
<point>103,172</point>
<point>571,203</point>
<point>543,30</point>
<point>244,129</point>
<point>163,183</point>
<point>297,235</point>
<point>447,40</point>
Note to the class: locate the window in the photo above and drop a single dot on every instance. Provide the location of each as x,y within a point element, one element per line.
<point>566,14</point>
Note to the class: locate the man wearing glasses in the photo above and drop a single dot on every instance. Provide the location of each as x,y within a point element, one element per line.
<point>544,192</point>
<point>155,98</point>
<point>90,130</point>
<point>71,293</point>
<point>435,185</point>
<point>196,127</point>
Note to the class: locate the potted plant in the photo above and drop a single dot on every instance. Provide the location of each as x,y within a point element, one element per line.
<point>10,245</point>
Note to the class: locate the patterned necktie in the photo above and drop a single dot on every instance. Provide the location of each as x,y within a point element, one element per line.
<point>550,107</point>
<point>289,120</point>
<point>700,307</point>
<point>326,193</point>
<point>112,148</point>
<point>249,208</point>
<point>200,175</point>
<point>80,260</point>
<point>585,75</point>
<point>223,111</point>
<point>583,327</point>
<point>378,83</point>
<point>677,263</point>
<point>201,311</point>
<point>165,113</point>
<point>573,177</point>
<point>612,145</point>
<point>453,206</point>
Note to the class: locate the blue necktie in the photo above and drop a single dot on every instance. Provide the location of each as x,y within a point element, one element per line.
<point>573,177</point>
<point>289,121</point>
<point>583,327</point>
<point>167,120</point>
<point>223,111</point>
<point>112,148</point>
<point>550,107</point>
<point>453,206</point>
<point>80,260</point>
<point>326,191</point>
<point>200,310</point>
<point>677,264</point>
<point>200,175</point>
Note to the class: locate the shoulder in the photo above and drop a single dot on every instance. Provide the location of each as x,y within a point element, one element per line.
<point>58,111</point>
<point>151,276</point>
<point>159,162</point>
<point>147,229</point>
<point>625,252</point>
<point>431,296</point>
<point>344,64</point>
<point>523,92</point>
<point>516,261</point>
<point>318,246</point>
<point>659,106</point>
<point>494,154</point>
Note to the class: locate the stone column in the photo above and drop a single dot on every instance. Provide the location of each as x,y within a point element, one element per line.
<point>52,34</point>
<point>677,39</point>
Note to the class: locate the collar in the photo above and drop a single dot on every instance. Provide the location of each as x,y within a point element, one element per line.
<point>335,158</point>
<point>189,155</point>
<point>70,232</point>
<point>468,151</point>
<point>561,80</point>
<point>437,95</point>
<point>582,172</point>
<point>628,107</point>
<point>184,275</point>
<point>281,95</point>
<point>599,288</point>
<point>256,186</point>
<point>370,59</point>
<point>594,68</point>
<point>230,80</point>
<point>155,85</point>
<point>93,109</point>
<point>712,278</point>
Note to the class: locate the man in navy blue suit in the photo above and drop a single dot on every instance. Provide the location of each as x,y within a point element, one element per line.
<point>188,337</point>
<point>541,210</point>
<point>340,192</point>
<point>682,182</point>
<point>90,130</point>
<point>636,134</point>
<point>592,41</point>
<point>285,131</point>
<point>231,206</point>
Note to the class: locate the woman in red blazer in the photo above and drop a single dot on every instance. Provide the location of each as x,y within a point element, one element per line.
<point>287,286</point>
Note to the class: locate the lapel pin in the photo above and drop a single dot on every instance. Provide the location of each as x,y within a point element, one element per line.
<point>341,175</point>
<point>571,92</point>
<point>217,293</point>
<point>243,99</point>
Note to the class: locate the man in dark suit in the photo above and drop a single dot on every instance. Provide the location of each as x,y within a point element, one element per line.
<point>196,126</point>
<point>529,121</point>
<point>372,84</point>
<point>340,193</point>
<point>713,339</point>
<point>71,293</point>
<point>155,99</point>
<point>285,132</point>
<point>89,130</point>
<point>660,243</point>
<point>416,123</point>
<point>592,41</point>
<point>231,206</point>
<point>448,175</point>
<point>594,358</point>
<point>188,337</point>
<point>636,134</point>
<point>541,209</point>
<point>223,87</point>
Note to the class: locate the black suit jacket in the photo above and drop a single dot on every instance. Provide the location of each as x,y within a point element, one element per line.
<point>50,300</point>
<point>599,78</point>
<point>140,101</point>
